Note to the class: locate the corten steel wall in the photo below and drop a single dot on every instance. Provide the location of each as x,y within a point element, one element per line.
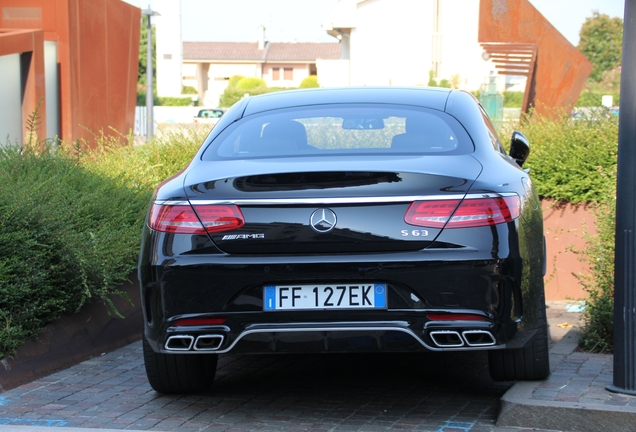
<point>561,69</point>
<point>98,50</point>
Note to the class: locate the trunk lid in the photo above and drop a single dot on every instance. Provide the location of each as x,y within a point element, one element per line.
<point>320,206</point>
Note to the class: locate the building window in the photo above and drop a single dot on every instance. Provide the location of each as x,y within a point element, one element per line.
<point>275,74</point>
<point>289,74</point>
<point>167,56</point>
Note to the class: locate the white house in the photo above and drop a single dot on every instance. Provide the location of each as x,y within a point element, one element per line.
<point>399,42</point>
<point>208,66</point>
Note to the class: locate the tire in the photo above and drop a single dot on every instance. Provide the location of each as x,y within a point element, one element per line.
<point>179,373</point>
<point>529,363</point>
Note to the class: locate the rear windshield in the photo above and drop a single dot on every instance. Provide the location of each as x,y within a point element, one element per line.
<point>341,129</point>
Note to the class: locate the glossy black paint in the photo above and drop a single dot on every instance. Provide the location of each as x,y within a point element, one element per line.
<point>495,272</point>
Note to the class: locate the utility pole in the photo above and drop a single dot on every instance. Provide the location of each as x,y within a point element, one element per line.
<point>625,265</point>
<point>150,102</point>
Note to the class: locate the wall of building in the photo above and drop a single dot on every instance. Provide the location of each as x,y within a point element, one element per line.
<point>391,44</point>
<point>298,73</point>
<point>398,42</point>
<point>462,54</point>
<point>169,47</point>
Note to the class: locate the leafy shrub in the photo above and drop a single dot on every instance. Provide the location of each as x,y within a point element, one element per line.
<point>70,222</point>
<point>598,317</point>
<point>251,83</point>
<point>231,95</point>
<point>66,236</point>
<point>173,101</point>
<point>188,90</point>
<point>513,99</point>
<point>310,82</point>
<point>572,160</point>
<point>234,79</point>
<point>163,100</point>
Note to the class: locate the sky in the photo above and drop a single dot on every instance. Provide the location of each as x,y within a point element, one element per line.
<point>301,20</point>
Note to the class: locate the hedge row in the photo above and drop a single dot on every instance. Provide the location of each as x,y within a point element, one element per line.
<point>70,224</point>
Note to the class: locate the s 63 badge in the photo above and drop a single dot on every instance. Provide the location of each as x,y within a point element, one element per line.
<point>414,233</point>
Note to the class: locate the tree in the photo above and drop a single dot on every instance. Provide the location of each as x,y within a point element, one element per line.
<point>601,41</point>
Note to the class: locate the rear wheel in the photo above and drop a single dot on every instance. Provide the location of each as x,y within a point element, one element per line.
<point>528,363</point>
<point>179,373</point>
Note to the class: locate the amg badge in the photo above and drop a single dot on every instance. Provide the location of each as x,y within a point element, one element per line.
<point>243,236</point>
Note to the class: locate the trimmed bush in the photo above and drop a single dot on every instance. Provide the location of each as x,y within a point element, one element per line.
<point>173,101</point>
<point>66,236</point>
<point>572,159</point>
<point>310,82</point>
<point>248,84</point>
<point>234,79</point>
<point>70,223</point>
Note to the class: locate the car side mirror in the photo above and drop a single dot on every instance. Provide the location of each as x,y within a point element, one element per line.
<point>519,147</point>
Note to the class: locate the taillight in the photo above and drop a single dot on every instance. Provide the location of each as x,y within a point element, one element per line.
<point>198,219</point>
<point>471,212</point>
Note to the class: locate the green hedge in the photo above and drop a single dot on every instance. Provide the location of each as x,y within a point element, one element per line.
<point>66,236</point>
<point>70,224</point>
<point>572,160</point>
<point>164,100</point>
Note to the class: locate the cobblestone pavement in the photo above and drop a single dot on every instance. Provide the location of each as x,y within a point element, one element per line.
<point>448,392</point>
<point>373,392</point>
<point>583,378</point>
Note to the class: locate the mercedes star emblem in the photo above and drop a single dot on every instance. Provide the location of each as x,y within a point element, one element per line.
<point>323,220</point>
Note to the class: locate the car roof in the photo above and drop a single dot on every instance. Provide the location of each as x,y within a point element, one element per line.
<point>427,97</point>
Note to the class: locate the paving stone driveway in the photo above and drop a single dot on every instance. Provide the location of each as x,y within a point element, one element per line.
<point>369,392</point>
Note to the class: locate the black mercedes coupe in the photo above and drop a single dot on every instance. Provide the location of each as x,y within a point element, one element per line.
<point>373,219</point>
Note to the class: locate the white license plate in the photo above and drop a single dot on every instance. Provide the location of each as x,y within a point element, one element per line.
<point>335,296</point>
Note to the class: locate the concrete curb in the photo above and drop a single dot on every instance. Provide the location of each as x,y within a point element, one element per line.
<point>518,409</point>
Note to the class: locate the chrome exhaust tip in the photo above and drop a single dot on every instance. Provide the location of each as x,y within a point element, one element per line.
<point>446,338</point>
<point>477,338</point>
<point>179,343</point>
<point>208,342</point>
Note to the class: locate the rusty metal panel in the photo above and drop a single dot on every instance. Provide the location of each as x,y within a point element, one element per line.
<point>104,50</point>
<point>560,69</point>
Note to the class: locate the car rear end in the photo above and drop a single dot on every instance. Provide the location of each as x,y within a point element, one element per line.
<point>345,239</point>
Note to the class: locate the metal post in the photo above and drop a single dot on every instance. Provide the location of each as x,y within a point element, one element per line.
<point>150,123</point>
<point>625,266</point>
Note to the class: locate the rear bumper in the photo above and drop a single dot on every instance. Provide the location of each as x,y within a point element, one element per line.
<point>220,286</point>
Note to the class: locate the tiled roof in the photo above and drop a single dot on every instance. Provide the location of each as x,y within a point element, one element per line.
<point>248,51</point>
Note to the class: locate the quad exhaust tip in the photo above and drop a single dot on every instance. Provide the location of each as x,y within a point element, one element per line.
<point>208,342</point>
<point>447,338</point>
<point>179,343</point>
<point>478,338</point>
<point>201,343</point>
<point>453,339</point>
